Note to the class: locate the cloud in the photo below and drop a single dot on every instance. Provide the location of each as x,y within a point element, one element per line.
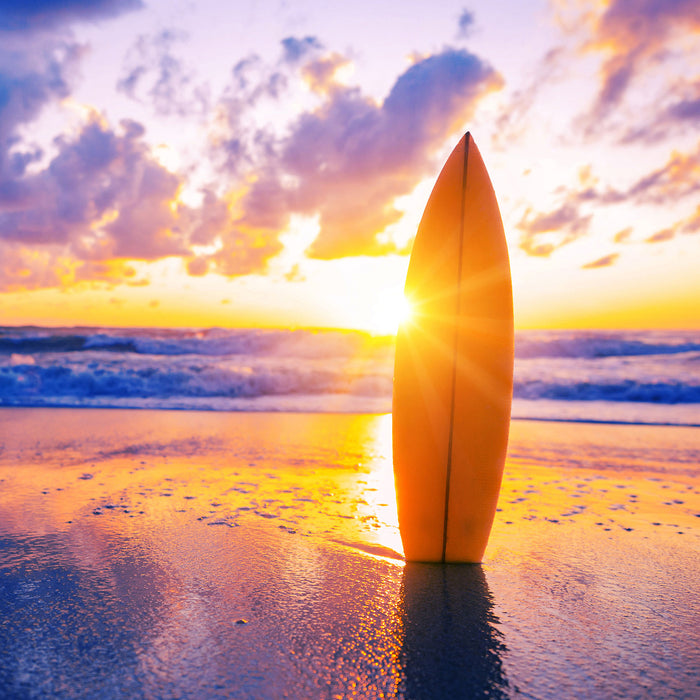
<point>295,49</point>
<point>692,223</point>
<point>465,23</point>
<point>46,14</point>
<point>623,235</point>
<point>635,36</point>
<point>675,180</point>
<point>543,233</point>
<point>350,157</point>
<point>665,235</point>
<point>37,68</point>
<point>31,77</point>
<point>112,272</point>
<point>197,267</point>
<point>679,109</point>
<point>101,202</point>
<point>689,225</point>
<point>513,123</point>
<point>320,74</point>
<point>605,261</point>
<point>30,268</point>
<point>153,72</point>
<point>687,109</point>
<point>99,175</point>
<point>238,143</point>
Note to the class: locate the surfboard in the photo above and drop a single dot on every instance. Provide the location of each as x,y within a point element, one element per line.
<point>453,368</point>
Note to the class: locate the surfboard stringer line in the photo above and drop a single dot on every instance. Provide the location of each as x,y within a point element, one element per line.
<point>467,140</point>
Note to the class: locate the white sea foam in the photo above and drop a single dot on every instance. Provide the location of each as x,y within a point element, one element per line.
<point>571,375</point>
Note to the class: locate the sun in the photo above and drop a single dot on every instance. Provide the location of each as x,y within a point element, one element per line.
<point>389,311</point>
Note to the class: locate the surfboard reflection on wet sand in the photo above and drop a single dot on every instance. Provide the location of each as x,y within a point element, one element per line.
<point>451,645</point>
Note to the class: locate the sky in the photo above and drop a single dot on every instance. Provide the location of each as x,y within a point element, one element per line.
<point>265,163</point>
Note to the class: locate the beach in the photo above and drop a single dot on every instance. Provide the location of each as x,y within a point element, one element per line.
<point>190,554</point>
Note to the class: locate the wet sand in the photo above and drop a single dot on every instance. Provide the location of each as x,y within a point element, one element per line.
<point>175,554</point>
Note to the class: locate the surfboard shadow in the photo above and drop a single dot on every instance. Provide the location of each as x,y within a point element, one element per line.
<point>451,645</point>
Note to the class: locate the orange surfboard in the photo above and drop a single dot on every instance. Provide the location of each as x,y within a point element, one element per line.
<point>453,372</point>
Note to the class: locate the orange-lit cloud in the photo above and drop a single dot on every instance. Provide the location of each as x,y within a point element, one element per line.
<point>664,235</point>
<point>692,223</point>
<point>27,268</point>
<point>623,235</point>
<point>186,166</point>
<point>688,225</point>
<point>605,261</point>
<point>680,109</point>
<point>634,37</point>
<point>320,74</point>
<point>543,233</point>
<point>678,179</point>
<point>102,197</point>
<point>350,149</point>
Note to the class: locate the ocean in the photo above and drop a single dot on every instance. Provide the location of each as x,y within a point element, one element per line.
<point>643,377</point>
<point>191,553</point>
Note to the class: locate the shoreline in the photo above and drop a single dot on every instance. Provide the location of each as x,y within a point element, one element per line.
<point>278,411</point>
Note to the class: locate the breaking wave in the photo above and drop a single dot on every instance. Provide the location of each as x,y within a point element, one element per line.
<point>323,370</point>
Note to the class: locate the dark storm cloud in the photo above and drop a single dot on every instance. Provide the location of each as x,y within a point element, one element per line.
<point>22,15</point>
